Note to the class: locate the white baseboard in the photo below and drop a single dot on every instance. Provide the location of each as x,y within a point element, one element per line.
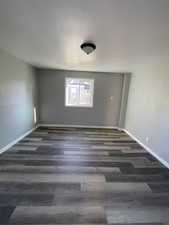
<point>77,126</point>
<point>165,163</point>
<point>17,140</point>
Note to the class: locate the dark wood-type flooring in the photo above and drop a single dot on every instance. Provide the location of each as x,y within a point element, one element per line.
<point>82,176</point>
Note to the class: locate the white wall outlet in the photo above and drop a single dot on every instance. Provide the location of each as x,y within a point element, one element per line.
<point>147,139</point>
<point>111,98</point>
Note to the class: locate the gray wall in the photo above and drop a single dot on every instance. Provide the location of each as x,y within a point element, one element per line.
<point>52,108</point>
<point>148,104</point>
<point>17,98</point>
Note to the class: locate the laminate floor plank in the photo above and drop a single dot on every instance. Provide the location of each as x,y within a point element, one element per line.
<point>117,187</point>
<point>58,215</point>
<point>32,177</point>
<point>41,187</point>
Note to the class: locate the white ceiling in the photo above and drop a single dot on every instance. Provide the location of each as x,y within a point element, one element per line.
<point>48,33</point>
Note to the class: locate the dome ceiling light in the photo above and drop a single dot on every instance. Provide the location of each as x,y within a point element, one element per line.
<point>88,47</point>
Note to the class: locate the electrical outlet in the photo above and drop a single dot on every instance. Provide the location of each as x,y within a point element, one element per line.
<point>111,98</point>
<point>147,139</point>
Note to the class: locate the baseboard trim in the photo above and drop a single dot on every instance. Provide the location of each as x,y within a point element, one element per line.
<point>17,140</point>
<point>165,163</point>
<point>77,126</point>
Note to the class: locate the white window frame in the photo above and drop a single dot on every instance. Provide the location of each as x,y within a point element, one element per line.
<point>92,92</point>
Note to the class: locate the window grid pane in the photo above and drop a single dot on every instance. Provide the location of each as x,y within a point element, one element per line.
<point>79,92</point>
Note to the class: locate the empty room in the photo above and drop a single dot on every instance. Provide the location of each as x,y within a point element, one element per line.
<point>84,112</point>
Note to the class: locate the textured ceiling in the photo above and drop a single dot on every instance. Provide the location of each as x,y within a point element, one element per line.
<point>48,33</point>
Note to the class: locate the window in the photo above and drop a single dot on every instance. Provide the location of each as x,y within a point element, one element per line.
<point>79,92</point>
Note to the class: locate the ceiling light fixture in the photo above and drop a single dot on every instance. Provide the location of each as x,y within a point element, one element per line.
<point>88,47</point>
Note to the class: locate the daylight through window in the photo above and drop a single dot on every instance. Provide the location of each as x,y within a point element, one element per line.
<point>79,92</point>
